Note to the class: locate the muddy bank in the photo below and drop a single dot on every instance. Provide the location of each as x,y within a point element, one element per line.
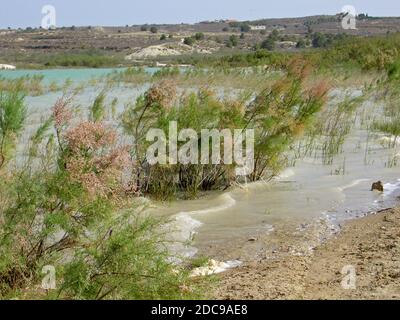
<point>370,244</point>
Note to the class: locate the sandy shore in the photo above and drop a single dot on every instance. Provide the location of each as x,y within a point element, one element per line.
<point>371,245</point>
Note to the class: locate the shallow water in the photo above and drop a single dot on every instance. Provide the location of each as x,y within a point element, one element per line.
<point>305,193</point>
<point>62,75</point>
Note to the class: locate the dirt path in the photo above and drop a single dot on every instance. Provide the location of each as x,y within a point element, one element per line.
<point>371,245</point>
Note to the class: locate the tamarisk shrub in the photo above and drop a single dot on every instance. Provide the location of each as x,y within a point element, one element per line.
<point>75,216</point>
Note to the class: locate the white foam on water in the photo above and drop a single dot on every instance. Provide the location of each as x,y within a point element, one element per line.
<point>286,174</point>
<point>390,188</point>
<point>352,184</point>
<point>227,202</point>
<point>183,226</point>
<point>214,267</point>
<point>256,185</point>
<point>386,141</point>
<point>180,231</point>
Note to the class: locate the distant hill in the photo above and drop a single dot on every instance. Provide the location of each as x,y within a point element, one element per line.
<point>216,36</point>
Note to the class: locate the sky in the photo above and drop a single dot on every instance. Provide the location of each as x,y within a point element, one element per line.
<point>28,13</point>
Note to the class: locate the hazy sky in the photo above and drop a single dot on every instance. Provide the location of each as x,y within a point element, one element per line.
<point>23,13</point>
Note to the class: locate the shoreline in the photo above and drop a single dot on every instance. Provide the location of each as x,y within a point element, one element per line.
<point>370,244</point>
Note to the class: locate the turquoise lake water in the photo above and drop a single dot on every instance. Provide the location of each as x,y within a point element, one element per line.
<point>61,75</point>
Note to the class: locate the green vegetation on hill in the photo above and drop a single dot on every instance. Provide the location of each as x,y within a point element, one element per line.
<point>374,53</point>
<point>80,60</point>
<point>72,59</point>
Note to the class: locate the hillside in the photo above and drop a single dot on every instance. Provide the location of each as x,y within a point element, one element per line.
<point>38,46</point>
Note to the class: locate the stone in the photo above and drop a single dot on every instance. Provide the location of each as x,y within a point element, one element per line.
<point>377,186</point>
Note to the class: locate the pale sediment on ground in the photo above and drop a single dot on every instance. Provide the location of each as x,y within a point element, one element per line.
<point>7,67</point>
<point>371,245</point>
<point>168,49</point>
